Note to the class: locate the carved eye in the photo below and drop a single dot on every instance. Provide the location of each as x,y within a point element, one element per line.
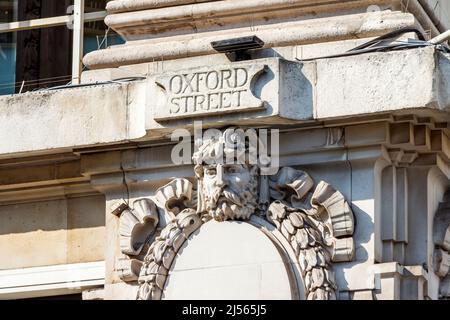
<point>211,171</point>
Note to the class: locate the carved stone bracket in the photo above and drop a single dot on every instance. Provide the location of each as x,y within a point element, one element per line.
<point>128,269</point>
<point>136,224</point>
<point>326,207</point>
<point>175,196</point>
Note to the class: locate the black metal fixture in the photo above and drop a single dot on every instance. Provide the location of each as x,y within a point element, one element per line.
<point>238,47</point>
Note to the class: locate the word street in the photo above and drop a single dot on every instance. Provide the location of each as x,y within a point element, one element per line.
<point>206,90</point>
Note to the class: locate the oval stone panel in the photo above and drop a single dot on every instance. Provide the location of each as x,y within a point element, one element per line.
<point>228,260</point>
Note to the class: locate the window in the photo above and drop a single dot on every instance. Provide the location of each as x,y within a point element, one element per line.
<point>37,41</point>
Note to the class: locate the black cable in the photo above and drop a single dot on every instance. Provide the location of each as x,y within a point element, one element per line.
<point>390,36</point>
<point>374,45</point>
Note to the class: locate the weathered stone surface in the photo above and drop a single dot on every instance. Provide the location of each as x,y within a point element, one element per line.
<point>52,232</point>
<point>210,267</point>
<point>358,210</point>
<point>281,34</point>
<point>201,91</point>
<point>135,5</point>
<point>71,117</point>
<point>290,91</point>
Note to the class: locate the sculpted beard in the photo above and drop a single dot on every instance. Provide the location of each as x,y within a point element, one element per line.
<point>226,204</point>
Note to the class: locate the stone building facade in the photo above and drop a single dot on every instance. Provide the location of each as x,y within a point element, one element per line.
<point>93,203</point>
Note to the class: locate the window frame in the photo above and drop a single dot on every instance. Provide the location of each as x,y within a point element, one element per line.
<point>74,21</point>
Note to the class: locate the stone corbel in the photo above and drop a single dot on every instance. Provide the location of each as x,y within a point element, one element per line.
<point>324,204</point>
<point>137,224</point>
<point>175,196</point>
<point>128,269</point>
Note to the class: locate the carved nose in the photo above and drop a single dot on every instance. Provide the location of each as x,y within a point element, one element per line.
<point>219,177</point>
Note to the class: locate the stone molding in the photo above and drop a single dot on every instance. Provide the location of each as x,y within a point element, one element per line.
<point>118,6</point>
<point>278,35</point>
<point>51,280</point>
<point>120,120</point>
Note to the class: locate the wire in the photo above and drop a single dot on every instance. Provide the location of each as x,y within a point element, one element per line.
<point>114,81</point>
<point>386,42</point>
<point>28,82</point>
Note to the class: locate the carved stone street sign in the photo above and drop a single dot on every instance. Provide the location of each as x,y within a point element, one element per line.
<point>208,90</point>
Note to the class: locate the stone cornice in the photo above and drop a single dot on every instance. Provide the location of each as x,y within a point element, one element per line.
<point>274,35</point>
<point>204,13</point>
<point>135,5</point>
<point>126,113</point>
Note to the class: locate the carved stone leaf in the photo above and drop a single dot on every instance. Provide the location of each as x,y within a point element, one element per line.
<point>168,257</point>
<point>173,234</point>
<point>313,237</point>
<point>163,251</point>
<point>178,241</point>
<point>311,258</point>
<point>318,278</point>
<point>159,249</point>
<point>302,238</point>
<point>321,259</point>
<point>153,268</point>
<point>296,220</point>
<point>329,276</point>
<point>276,211</point>
<point>288,226</point>
<point>308,279</point>
<point>160,280</point>
<point>144,291</point>
<point>318,294</point>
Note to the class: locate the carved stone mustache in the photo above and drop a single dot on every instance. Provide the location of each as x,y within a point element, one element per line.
<point>221,193</point>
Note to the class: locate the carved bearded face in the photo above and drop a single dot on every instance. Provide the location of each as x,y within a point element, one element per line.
<point>230,190</point>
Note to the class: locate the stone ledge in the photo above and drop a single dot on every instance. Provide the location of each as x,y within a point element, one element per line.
<point>118,6</point>
<point>401,82</point>
<point>50,280</point>
<point>274,35</point>
<point>204,16</point>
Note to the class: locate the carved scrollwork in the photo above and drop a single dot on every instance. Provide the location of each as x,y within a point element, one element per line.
<point>312,223</point>
<point>175,196</point>
<point>315,219</point>
<point>326,207</point>
<point>136,225</point>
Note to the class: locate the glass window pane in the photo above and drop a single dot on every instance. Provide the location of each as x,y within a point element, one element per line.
<point>38,58</point>
<point>7,63</point>
<point>21,10</point>
<point>96,33</point>
<point>42,58</point>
